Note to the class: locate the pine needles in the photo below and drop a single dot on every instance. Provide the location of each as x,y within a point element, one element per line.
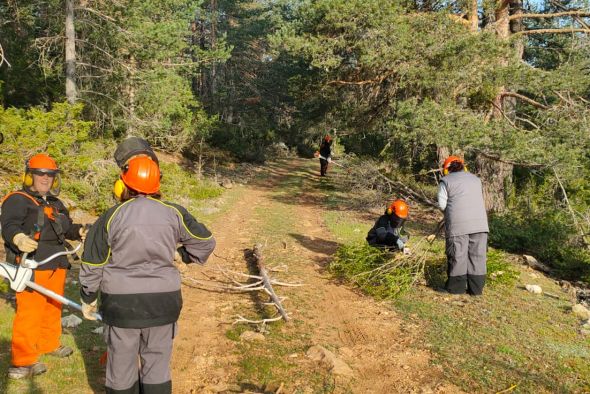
<point>377,272</point>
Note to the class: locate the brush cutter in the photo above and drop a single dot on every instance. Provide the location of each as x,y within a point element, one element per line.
<point>20,276</point>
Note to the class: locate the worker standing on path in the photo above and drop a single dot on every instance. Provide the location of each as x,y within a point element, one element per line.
<point>460,197</point>
<point>325,154</point>
<point>388,231</point>
<point>35,222</point>
<point>128,257</point>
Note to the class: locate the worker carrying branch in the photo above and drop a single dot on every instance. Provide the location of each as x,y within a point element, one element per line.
<point>460,197</point>
<point>388,231</point>
<point>128,258</point>
<point>36,223</point>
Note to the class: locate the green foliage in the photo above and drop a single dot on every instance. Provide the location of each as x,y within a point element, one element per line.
<point>87,168</point>
<point>546,235</point>
<point>367,267</point>
<point>500,270</point>
<point>180,185</point>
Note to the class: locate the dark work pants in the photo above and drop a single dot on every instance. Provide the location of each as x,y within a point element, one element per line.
<point>466,259</point>
<point>138,359</point>
<point>323,167</point>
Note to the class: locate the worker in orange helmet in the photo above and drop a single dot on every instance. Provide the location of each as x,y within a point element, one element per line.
<point>388,231</point>
<point>325,154</point>
<point>34,221</point>
<point>460,197</point>
<point>128,258</point>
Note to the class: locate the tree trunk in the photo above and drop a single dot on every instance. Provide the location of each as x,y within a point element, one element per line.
<point>496,179</point>
<point>496,175</point>
<point>442,152</point>
<point>473,16</point>
<point>70,53</point>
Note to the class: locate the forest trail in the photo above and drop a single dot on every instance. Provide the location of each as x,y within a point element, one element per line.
<point>282,209</point>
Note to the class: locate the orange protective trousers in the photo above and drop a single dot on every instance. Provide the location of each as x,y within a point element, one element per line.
<point>37,324</point>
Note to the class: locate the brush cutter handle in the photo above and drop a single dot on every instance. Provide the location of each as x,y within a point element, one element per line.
<point>57,297</point>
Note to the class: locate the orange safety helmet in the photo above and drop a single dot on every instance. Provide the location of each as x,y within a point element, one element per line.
<point>400,208</point>
<point>42,163</point>
<point>142,174</point>
<point>327,138</point>
<point>448,162</point>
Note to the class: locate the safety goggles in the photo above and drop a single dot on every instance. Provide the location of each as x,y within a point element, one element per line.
<point>41,172</point>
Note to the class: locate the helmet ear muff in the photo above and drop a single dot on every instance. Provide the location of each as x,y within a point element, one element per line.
<point>389,211</point>
<point>445,171</point>
<point>27,179</point>
<point>119,188</point>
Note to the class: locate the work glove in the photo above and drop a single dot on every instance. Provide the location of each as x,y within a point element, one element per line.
<point>88,310</point>
<point>431,238</point>
<point>83,232</point>
<point>24,243</point>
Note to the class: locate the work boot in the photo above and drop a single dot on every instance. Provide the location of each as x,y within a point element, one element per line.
<point>27,371</point>
<point>61,352</point>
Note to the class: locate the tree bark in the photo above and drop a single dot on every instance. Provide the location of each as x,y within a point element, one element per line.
<point>71,92</point>
<point>496,179</point>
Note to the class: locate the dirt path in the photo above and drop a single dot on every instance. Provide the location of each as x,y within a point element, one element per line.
<point>365,334</point>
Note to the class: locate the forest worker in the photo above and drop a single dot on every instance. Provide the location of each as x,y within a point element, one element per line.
<point>36,222</point>
<point>388,231</point>
<point>128,257</point>
<point>460,197</point>
<point>325,154</point>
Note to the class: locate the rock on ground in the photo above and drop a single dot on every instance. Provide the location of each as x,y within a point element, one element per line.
<point>70,321</point>
<point>581,311</point>
<point>324,356</point>
<point>535,289</point>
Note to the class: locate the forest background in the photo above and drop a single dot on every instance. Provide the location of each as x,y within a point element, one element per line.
<point>400,84</point>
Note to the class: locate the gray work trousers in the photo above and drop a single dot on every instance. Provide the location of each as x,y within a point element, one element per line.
<point>466,258</point>
<point>138,359</point>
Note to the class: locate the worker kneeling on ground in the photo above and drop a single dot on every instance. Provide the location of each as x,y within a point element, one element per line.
<point>460,197</point>
<point>128,256</point>
<point>388,231</point>
<point>35,222</point>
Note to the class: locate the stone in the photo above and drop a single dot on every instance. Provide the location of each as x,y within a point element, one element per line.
<point>581,311</point>
<point>534,263</point>
<point>226,183</point>
<point>70,321</point>
<point>251,336</point>
<point>535,289</point>
<point>324,356</point>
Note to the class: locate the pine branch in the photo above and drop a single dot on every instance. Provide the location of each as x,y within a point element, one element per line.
<point>525,99</point>
<point>553,31</point>
<point>551,15</point>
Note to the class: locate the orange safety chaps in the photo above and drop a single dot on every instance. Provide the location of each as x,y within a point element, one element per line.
<point>37,324</point>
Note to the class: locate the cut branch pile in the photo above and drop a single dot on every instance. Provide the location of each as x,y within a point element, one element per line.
<point>234,283</point>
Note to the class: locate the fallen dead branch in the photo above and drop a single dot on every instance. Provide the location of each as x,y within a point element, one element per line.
<point>228,281</point>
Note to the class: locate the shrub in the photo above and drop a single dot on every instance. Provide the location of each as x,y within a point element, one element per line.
<point>546,235</point>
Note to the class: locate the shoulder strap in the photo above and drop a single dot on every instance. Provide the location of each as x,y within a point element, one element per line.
<point>23,194</point>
